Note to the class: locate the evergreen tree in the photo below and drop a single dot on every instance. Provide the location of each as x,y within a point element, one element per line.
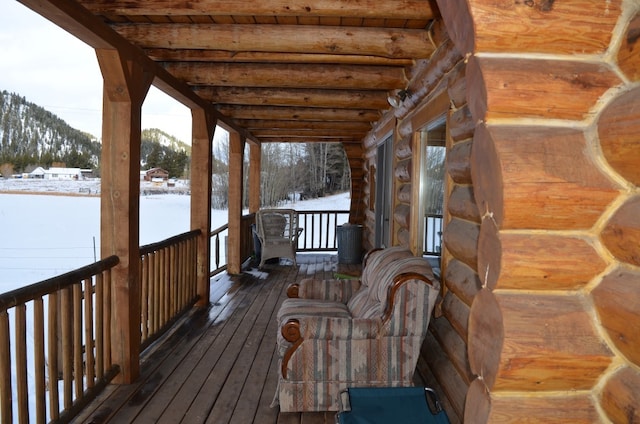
<point>30,136</point>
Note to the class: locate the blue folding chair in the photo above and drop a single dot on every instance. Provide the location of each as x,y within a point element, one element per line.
<point>390,405</point>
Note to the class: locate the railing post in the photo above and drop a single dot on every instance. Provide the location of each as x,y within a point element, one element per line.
<point>125,86</point>
<point>203,128</point>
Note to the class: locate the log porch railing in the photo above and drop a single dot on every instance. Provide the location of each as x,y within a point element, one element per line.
<point>320,229</point>
<point>60,343</point>
<point>218,243</point>
<point>55,341</point>
<point>319,235</point>
<point>60,340</point>
<point>432,235</point>
<point>218,251</point>
<point>168,283</point>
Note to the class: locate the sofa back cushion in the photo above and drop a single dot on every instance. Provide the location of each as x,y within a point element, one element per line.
<point>359,303</point>
<point>380,259</point>
<point>412,301</point>
<point>380,287</point>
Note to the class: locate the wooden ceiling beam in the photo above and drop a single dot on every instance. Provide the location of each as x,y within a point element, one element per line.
<point>389,9</point>
<point>305,114</point>
<point>348,77</point>
<point>193,55</point>
<point>281,132</point>
<point>347,99</point>
<point>309,140</point>
<point>253,124</point>
<point>368,41</point>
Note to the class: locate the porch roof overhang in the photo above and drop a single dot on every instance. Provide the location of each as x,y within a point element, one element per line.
<point>273,70</point>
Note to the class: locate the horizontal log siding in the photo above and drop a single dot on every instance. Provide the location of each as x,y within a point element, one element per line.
<point>551,336</point>
<point>444,364</point>
<point>460,235</point>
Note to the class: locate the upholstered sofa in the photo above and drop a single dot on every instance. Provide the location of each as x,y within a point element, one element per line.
<point>354,333</point>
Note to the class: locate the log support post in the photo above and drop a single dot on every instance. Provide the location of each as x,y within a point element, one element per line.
<point>126,84</point>
<point>236,149</point>
<point>203,129</point>
<point>255,163</point>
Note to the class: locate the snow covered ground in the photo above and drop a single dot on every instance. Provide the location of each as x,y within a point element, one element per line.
<point>42,236</point>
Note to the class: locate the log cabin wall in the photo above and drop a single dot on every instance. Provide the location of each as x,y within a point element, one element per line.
<point>553,331</point>
<point>437,88</point>
<point>444,364</point>
<point>539,316</point>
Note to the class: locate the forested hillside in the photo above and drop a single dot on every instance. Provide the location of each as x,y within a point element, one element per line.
<point>31,136</point>
<point>161,150</point>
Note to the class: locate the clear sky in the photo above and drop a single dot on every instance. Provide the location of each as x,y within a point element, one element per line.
<point>53,69</point>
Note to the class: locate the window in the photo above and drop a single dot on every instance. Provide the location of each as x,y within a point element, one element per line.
<point>433,139</point>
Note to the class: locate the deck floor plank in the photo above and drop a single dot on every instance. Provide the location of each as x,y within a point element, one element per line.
<point>256,382</point>
<point>242,364</point>
<point>218,364</point>
<point>128,397</point>
<point>189,353</point>
<point>204,380</point>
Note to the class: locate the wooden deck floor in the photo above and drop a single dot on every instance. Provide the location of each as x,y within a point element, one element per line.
<point>218,365</point>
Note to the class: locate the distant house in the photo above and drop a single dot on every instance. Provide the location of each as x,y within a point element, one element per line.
<point>86,173</point>
<point>37,173</point>
<point>155,174</point>
<point>63,174</point>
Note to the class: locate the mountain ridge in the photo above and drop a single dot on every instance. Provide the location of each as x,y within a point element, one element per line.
<point>31,136</point>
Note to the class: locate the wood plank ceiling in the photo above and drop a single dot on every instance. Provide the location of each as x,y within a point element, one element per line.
<point>285,70</point>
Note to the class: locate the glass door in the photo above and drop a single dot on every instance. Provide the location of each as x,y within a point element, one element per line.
<point>384,180</point>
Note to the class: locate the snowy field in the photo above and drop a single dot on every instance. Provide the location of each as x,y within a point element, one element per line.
<point>42,236</point>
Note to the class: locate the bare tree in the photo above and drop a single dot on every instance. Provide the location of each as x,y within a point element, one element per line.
<point>275,177</point>
<point>313,169</point>
<point>220,173</point>
<point>6,169</point>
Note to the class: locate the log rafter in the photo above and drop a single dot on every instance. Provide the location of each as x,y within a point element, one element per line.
<point>222,56</point>
<point>252,124</point>
<point>319,71</point>
<point>393,9</point>
<point>289,76</point>
<point>348,99</point>
<point>384,42</point>
<point>306,114</point>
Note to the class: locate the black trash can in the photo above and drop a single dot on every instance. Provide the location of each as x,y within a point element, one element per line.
<point>257,246</point>
<point>349,244</point>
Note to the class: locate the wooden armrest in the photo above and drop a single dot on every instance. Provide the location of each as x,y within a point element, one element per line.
<point>291,333</point>
<point>293,290</point>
